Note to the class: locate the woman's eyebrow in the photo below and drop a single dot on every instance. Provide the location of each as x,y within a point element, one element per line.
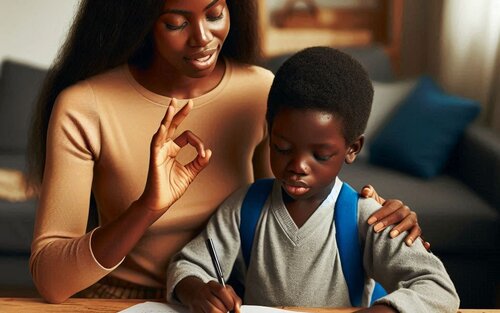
<point>211,4</point>
<point>184,12</point>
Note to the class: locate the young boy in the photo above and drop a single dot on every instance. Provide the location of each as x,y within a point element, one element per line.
<point>318,108</point>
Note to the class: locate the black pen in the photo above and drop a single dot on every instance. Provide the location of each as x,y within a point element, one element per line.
<point>215,261</point>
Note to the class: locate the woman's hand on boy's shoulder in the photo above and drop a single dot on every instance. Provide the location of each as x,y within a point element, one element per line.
<point>394,212</point>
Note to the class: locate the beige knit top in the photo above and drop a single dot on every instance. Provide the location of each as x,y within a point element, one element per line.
<point>98,140</point>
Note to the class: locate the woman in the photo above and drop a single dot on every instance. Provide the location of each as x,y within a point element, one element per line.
<point>107,95</point>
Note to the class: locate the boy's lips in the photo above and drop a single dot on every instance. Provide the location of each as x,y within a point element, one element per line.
<point>295,188</point>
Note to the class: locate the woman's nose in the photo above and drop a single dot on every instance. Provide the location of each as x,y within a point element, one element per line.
<point>201,35</point>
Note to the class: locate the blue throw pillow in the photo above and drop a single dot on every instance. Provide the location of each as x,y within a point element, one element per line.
<point>422,133</point>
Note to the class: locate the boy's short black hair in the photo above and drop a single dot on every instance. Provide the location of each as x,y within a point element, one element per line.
<point>325,79</point>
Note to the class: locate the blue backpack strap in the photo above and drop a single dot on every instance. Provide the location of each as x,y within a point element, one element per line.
<point>251,208</point>
<point>378,292</point>
<point>346,225</point>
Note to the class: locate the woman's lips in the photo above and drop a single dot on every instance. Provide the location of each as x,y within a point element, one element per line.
<point>203,59</point>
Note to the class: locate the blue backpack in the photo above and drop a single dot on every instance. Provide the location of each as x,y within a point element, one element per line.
<point>346,224</point>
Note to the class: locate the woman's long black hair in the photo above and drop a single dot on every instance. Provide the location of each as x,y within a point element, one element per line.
<point>108,33</point>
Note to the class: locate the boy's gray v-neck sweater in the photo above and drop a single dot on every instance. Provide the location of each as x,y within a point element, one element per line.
<point>293,266</point>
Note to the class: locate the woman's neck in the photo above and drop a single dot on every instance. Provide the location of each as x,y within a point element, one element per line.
<point>174,85</point>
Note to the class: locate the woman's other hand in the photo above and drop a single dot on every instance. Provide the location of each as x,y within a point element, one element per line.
<point>394,211</point>
<point>168,179</point>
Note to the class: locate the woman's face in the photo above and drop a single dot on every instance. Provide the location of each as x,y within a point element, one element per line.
<point>189,35</point>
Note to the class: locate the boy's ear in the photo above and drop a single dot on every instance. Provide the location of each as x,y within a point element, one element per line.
<point>354,149</point>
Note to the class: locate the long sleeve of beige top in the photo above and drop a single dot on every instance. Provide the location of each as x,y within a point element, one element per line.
<point>98,141</point>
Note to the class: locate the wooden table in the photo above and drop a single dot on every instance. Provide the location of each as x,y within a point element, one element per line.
<point>77,305</point>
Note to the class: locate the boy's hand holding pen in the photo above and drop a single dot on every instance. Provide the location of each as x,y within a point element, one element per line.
<point>234,303</point>
<point>208,297</point>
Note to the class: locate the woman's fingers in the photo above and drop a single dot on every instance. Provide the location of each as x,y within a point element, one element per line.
<point>199,163</point>
<point>178,117</point>
<point>171,120</point>
<point>369,192</point>
<point>167,118</point>
<point>203,157</point>
<point>161,134</point>
<point>413,234</point>
<point>169,125</point>
<point>188,137</point>
<point>427,245</point>
<point>408,222</point>
<point>392,212</point>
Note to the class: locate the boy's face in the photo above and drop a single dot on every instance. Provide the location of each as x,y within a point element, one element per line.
<point>307,152</point>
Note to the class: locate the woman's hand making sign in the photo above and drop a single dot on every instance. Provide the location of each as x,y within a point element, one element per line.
<point>168,179</point>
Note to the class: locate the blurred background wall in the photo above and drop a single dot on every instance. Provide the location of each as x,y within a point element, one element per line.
<point>32,31</point>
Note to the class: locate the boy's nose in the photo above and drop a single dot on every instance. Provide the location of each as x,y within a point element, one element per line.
<point>298,165</point>
<point>201,35</point>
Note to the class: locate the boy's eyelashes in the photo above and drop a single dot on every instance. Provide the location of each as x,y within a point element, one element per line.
<point>287,150</point>
<point>281,149</point>
<point>323,157</point>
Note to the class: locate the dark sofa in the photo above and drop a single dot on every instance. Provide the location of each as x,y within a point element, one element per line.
<point>459,210</point>
<point>19,86</point>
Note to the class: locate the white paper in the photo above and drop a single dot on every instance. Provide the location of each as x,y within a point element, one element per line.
<point>157,307</point>
<point>263,309</point>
